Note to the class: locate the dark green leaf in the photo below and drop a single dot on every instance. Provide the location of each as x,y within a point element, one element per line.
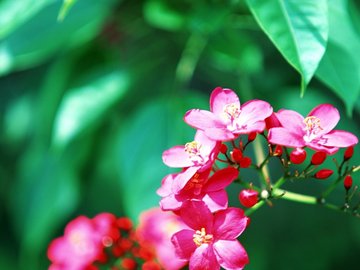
<point>340,66</point>
<point>298,30</point>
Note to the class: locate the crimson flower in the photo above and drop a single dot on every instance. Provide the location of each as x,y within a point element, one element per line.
<point>314,131</point>
<point>227,119</point>
<point>211,240</point>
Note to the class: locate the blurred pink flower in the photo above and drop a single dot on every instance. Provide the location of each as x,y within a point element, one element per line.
<point>199,187</point>
<point>83,242</point>
<point>155,229</point>
<point>211,240</point>
<point>227,119</point>
<point>314,131</point>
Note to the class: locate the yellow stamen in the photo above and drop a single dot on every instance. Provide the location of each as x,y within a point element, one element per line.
<point>200,237</point>
<point>232,111</point>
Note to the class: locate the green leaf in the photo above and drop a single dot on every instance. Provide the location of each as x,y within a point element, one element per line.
<point>81,25</point>
<point>299,30</point>
<point>340,66</point>
<point>154,128</point>
<point>159,14</point>
<point>14,13</point>
<point>65,8</point>
<point>83,106</point>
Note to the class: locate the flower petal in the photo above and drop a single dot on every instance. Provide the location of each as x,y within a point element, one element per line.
<point>220,134</point>
<point>221,179</point>
<point>251,127</point>
<point>183,178</point>
<point>170,202</point>
<point>183,243</point>
<point>340,138</point>
<point>329,116</point>
<point>166,185</point>
<point>220,97</point>
<point>202,119</point>
<point>254,111</point>
<point>197,215</point>
<point>176,157</point>
<point>292,121</point>
<point>204,258</point>
<point>229,223</point>
<point>231,254</point>
<point>283,136</point>
<point>216,200</point>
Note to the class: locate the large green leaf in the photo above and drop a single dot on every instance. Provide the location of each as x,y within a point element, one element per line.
<point>299,29</point>
<point>14,13</point>
<point>82,106</point>
<point>340,66</point>
<point>42,35</point>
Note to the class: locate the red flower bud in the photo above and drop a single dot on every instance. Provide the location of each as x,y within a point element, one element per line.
<point>236,155</point>
<point>128,264</point>
<point>318,158</point>
<point>348,182</point>
<point>252,136</point>
<point>297,156</point>
<point>124,223</point>
<point>248,197</point>
<point>245,162</point>
<point>349,153</point>
<point>323,174</point>
<point>278,151</point>
<point>223,148</point>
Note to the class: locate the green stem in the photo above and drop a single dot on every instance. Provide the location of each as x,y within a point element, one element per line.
<point>251,210</point>
<point>296,197</point>
<point>260,158</point>
<point>189,58</point>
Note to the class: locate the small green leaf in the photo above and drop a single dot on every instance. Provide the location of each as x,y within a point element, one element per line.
<point>65,8</point>
<point>340,66</point>
<point>299,29</point>
<point>82,106</point>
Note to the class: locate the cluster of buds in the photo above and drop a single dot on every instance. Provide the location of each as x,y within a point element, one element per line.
<point>216,157</point>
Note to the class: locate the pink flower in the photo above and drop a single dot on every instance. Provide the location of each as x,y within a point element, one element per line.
<point>200,153</point>
<point>211,240</point>
<point>78,248</point>
<point>83,242</point>
<point>314,131</point>
<point>227,119</point>
<point>199,187</point>
<point>155,229</point>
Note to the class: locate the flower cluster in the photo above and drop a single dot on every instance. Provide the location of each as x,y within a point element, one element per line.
<point>214,159</point>
<point>107,242</point>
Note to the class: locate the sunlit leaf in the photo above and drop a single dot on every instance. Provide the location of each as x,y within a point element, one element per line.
<point>65,8</point>
<point>32,42</point>
<point>14,13</point>
<point>340,66</point>
<point>160,15</point>
<point>82,106</point>
<point>298,30</point>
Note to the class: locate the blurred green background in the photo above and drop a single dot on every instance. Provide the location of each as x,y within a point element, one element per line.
<point>89,103</point>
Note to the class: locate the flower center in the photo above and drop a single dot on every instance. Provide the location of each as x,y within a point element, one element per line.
<point>196,184</point>
<point>79,242</point>
<point>193,149</point>
<point>232,111</point>
<point>312,128</point>
<point>200,237</point>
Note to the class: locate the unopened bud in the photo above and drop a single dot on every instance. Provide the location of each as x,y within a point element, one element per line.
<point>236,155</point>
<point>252,136</point>
<point>277,151</point>
<point>245,162</point>
<point>248,197</point>
<point>318,158</point>
<point>348,182</point>
<point>323,174</point>
<point>297,156</point>
<point>223,148</point>
<point>349,153</point>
